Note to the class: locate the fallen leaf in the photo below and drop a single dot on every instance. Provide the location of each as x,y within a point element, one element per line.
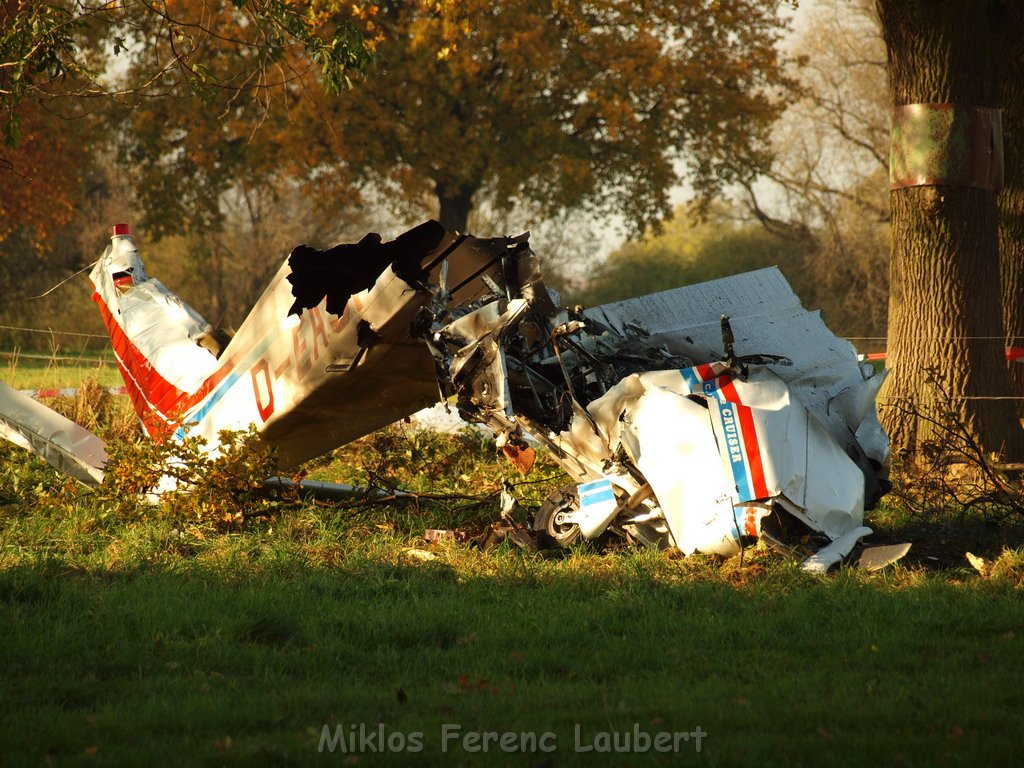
<point>476,685</point>
<point>522,459</point>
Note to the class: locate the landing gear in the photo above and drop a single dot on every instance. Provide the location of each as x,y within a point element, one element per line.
<point>548,520</point>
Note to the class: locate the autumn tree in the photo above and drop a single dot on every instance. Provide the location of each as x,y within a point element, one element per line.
<point>588,104</point>
<point>43,163</point>
<point>84,82</point>
<point>213,161</point>
<point>75,59</point>
<point>42,178</point>
<point>828,180</point>
<point>63,49</point>
<point>944,309</point>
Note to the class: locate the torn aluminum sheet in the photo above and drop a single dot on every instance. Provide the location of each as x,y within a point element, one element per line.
<point>273,371</point>
<point>308,383</point>
<point>709,441</point>
<point>766,318</point>
<point>678,425</point>
<point>63,444</point>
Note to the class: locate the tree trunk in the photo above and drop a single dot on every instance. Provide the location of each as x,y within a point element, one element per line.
<point>1011,199</point>
<point>455,203</point>
<point>944,318</point>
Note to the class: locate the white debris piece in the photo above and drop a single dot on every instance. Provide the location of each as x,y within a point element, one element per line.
<point>709,442</point>
<point>828,556</point>
<point>767,319</point>
<point>62,443</point>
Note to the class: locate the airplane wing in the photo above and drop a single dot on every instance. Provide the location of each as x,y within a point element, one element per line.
<point>67,447</point>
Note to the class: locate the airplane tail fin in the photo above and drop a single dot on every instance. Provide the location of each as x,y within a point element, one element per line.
<point>155,335</point>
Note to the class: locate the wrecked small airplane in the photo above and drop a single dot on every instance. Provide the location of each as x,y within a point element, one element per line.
<point>703,417</point>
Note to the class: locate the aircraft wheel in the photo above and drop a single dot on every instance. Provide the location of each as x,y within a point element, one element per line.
<point>547,518</point>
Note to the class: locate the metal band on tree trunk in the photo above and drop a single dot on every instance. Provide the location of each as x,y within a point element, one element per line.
<point>946,145</point>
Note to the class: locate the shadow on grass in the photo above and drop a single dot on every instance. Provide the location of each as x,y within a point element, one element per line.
<point>941,540</point>
<point>203,665</point>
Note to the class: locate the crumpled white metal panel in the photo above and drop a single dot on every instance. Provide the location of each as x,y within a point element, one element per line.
<point>66,446</point>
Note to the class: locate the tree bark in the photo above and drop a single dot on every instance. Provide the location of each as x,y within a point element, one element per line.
<point>944,318</point>
<point>1011,199</point>
<point>455,205</point>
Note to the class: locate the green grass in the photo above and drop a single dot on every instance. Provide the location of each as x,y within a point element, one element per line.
<point>260,644</point>
<point>136,637</point>
<point>156,664</point>
<point>135,634</point>
<point>21,372</point>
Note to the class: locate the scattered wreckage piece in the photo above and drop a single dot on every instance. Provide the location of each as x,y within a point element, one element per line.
<point>767,321</point>
<point>183,375</point>
<point>876,558</point>
<point>703,417</point>
<point>273,372</point>
<point>66,446</point>
<point>316,489</point>
<point>434,535</point>
<point>309,383</point>
<point>832,554</point>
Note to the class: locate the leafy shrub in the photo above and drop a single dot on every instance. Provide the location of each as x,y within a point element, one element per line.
<point>223,487</point>
<point>465,462</point>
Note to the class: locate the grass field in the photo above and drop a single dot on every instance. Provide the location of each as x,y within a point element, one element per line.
<point>37,370</point>
<point>136,634</point>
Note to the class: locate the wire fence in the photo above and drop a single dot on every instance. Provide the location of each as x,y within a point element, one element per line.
<point>17,354</point>
<point>932,337</point>
<point>52,332</point>
<point>921,337</point>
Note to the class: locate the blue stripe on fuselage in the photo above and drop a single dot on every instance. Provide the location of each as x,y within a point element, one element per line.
<point>230,381</point>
